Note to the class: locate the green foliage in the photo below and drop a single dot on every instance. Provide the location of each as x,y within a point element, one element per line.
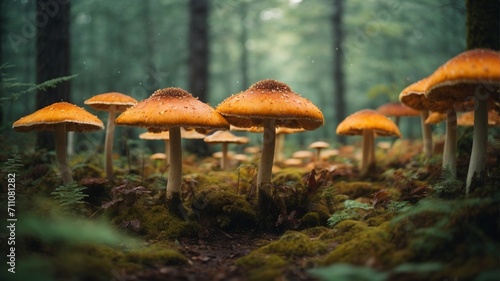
<point>17,89</point>
<point>13,164</point>
<point>350,212</point>
<point>348,272</point>
<point>344,271</point>
<point>448,186</point>
<point>70,195</point>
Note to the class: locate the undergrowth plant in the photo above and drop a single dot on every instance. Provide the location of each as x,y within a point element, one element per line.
<point>70,195</point>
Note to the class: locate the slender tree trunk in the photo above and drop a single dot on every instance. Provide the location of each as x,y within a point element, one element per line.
<point>198,48</point>
<point>2,32</point>
<point>338,63</point>
<point>52,56</point>
<point>198,61</point>
<point>244,50</point>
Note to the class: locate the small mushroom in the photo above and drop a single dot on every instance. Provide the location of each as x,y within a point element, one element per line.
<point>112,102</point>
<point>165,136</point>
<point>397,110</point>
<point>60,117</point>
<point>318,146</point>
<point>368,123</point>
<point>224,138</point>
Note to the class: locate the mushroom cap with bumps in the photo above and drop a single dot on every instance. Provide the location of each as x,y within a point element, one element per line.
<point>46,119</point>
<point>171,107</point>
<point>368,119</point>
<point>472,72</point>
<point>105,101</point>
<point>271,99</point>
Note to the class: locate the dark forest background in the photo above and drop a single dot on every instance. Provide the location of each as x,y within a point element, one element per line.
<point>342,55</point>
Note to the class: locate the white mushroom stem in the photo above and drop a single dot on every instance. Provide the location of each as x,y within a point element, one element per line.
<point>223,160</point>
<point>426,133</point>
<point>479,143</point>
<point>167,148</point>
<point>264,175</point>
<point>368,151</point>
<point>175,169</point>
<point>450,144</point>
<point>61,157</point>
<point>108,143</point>
<point>278,153</point>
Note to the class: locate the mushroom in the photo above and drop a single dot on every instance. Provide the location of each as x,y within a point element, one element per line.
<point>112,102</point>
<point>471,77</point>
<point>368,123</point>
<point>319,145</point>
<point>397,110</point>
<point>60,117</point>
<point>435,118</point>
<point>414,96</point>
<point>224,138</point>
<point>165,136</point>
<point>280,141</point>
<point>270,104</point>
<point>467,119</point>
<point>169,109</point>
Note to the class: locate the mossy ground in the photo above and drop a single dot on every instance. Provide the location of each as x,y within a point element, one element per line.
<point>319,217</point>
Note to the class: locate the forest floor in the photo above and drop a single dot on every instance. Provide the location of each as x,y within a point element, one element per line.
<point>211,258</point>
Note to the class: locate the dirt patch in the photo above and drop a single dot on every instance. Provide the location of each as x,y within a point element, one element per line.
<point>212,258</point>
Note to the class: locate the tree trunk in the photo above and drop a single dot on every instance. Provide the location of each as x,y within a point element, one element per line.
<point>198,48</point>
<point>52,57</point>
<point>198,61</point>
<point>2,32</point>
<point>338,63</point>
<point>244,50</point>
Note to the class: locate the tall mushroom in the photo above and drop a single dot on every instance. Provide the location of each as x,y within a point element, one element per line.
<point>368,123</point>
<point>165,136</point>
<point>397,110</point>
<point>224,138</point>
<point>112,102</point>
<point>270,104</point>
<point>470,77</point>
<point>414,96</point>
<point>169,109</point>
<point>60,117</point>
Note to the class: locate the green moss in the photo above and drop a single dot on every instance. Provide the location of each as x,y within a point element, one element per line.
<point>372,245</point>
<point>157,254</point>
<point>295,244</point>
<point>357,189</point>
<point>288,175</point>
<point>310,219</point>
<point>224,209</point>
<point>343,231</point>
<point>158,223</point>
<point>262,266</point>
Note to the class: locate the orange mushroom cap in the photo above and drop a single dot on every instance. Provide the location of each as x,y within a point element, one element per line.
<point>270,99</point>
<point>435,118</point>
<point>397,109</point>
<point>368,119</point>
<point>171,107</point>
<point>464,76</point>
<point>105,101</point>
<point>46,119</point>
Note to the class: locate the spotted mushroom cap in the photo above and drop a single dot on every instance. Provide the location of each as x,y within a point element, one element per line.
<point>74,118</point>
<point>171,107</point>
<point>368,119</point>
<point>456,82</point>
<point>106,101</point>
<point>270,99</point>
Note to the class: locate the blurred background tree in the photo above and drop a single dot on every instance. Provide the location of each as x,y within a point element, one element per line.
<point>136,47</point>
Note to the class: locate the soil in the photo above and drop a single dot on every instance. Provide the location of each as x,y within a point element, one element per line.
<point>212,258</point>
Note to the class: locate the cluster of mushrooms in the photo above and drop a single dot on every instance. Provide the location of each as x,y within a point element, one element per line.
<point>469,81</point>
